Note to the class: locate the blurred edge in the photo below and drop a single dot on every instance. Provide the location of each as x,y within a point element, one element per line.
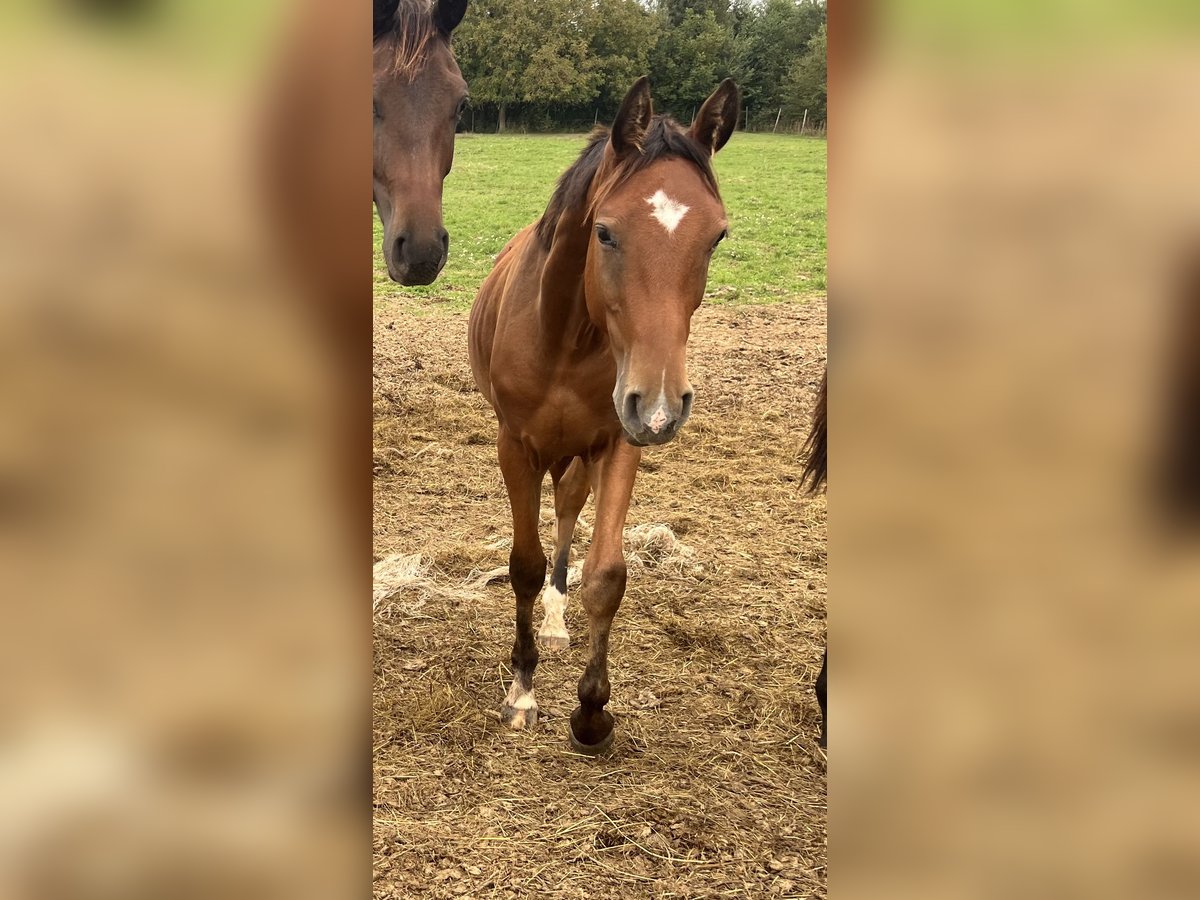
<point>184,450</point>
<point>1014,408</point>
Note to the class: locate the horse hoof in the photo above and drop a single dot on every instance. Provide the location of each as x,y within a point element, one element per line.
<point>554,641</point>
<point>592,749</point>
<point>518,719</point>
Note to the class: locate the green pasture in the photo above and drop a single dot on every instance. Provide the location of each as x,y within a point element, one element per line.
<point>773,187</point>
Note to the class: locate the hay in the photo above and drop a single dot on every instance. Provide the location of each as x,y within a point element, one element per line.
<point>407,578</point>
<point>656,547</point>
<point>647,547</point>
<point>395,573</point>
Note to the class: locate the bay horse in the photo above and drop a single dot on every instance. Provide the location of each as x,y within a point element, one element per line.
<point>814,475</point>
<point>578,339</point>
<point>419,98</point>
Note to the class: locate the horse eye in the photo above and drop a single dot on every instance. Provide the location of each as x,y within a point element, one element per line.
<point>720,237</point>
<point>462,107</point>
<point>378,114</point>
<point>605,236</point>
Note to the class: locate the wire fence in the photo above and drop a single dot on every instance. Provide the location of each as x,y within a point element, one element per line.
<point>521,119</point>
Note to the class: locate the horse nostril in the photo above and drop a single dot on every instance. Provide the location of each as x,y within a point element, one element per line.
<point>687,405</point>
<point>445,242</point>
<point>633,402</point>
<point>398,250</point>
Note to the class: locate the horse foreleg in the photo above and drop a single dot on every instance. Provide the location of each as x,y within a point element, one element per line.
<point>571,490</point>
<point>527,573</point>
<point>603,587</point>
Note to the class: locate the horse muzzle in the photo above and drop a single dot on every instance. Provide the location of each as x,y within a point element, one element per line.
<point>654,422</point>
<point>413,262</point>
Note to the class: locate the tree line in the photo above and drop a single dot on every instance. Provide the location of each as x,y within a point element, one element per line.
<point>552,65</point>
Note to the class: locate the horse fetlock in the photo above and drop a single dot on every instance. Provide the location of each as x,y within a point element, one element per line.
<point>519,709</point>
<point>594,690</point>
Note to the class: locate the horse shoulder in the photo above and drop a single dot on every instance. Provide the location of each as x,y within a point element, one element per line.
<point>517,241</point>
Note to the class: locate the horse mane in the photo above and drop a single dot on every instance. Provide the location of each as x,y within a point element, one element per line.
<point>664,139</point>
<point>405,27</point>
<point>816,448</point>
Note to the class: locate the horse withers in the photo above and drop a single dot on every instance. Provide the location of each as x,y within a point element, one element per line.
<point>578,339</point>
<point>419,97</point>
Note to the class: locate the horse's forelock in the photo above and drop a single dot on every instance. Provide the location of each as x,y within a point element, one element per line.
<point>407,33</point>
<point>664,139</point>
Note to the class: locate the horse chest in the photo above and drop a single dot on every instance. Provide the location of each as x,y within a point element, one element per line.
<point>556,416</point>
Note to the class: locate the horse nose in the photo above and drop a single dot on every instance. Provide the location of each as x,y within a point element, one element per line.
<point>686,405</point>
<point>632,408</point>
<point>419,260</point>
<point>654,422</point>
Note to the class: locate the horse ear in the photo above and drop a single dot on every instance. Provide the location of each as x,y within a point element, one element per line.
<point>448,13</point>
<point>718,116</point>
<point>385,16</point>
<point>633,118</point>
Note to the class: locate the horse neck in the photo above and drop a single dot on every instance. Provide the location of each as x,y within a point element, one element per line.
<point>563,314</point>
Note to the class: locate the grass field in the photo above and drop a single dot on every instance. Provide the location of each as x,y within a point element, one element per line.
<point>773,187</point>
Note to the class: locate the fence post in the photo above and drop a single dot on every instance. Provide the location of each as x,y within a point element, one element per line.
<point>805,122</point>
<point>777,115</point>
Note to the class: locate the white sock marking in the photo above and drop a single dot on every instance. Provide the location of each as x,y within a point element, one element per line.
<point>518,699</point>
<point>523,706</point>
<point>554,603</point>
<point>668,212</point>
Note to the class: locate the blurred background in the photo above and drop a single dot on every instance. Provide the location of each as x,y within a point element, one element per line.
<point>1014,232</point>
<point>184,701</point>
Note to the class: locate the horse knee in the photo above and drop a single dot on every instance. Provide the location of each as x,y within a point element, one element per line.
<point>604,588</point>
<point>527,572</point>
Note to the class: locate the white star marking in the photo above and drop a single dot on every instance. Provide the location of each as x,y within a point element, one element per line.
<point>668,212</point>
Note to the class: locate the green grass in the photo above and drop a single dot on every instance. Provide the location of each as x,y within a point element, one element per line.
<point>773,188</point>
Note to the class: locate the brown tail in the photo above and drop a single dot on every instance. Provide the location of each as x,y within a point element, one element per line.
<point>816,448</point>
<point>1179,441</point>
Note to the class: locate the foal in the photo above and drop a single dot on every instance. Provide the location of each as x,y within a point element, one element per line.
<point>578,339</point>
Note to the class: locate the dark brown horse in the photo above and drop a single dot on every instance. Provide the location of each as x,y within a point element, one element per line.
<point>578,338</point>
<point>419,97</point>
<point>815,474</point>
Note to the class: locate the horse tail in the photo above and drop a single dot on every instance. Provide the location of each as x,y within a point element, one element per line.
<point>816,448</point>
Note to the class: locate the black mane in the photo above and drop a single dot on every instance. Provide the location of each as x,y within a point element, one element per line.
<point>664,139</point>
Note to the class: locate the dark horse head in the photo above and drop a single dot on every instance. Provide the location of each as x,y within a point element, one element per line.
<point>419,97</point>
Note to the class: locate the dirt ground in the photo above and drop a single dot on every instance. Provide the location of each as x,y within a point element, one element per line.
<point>715,786</point>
